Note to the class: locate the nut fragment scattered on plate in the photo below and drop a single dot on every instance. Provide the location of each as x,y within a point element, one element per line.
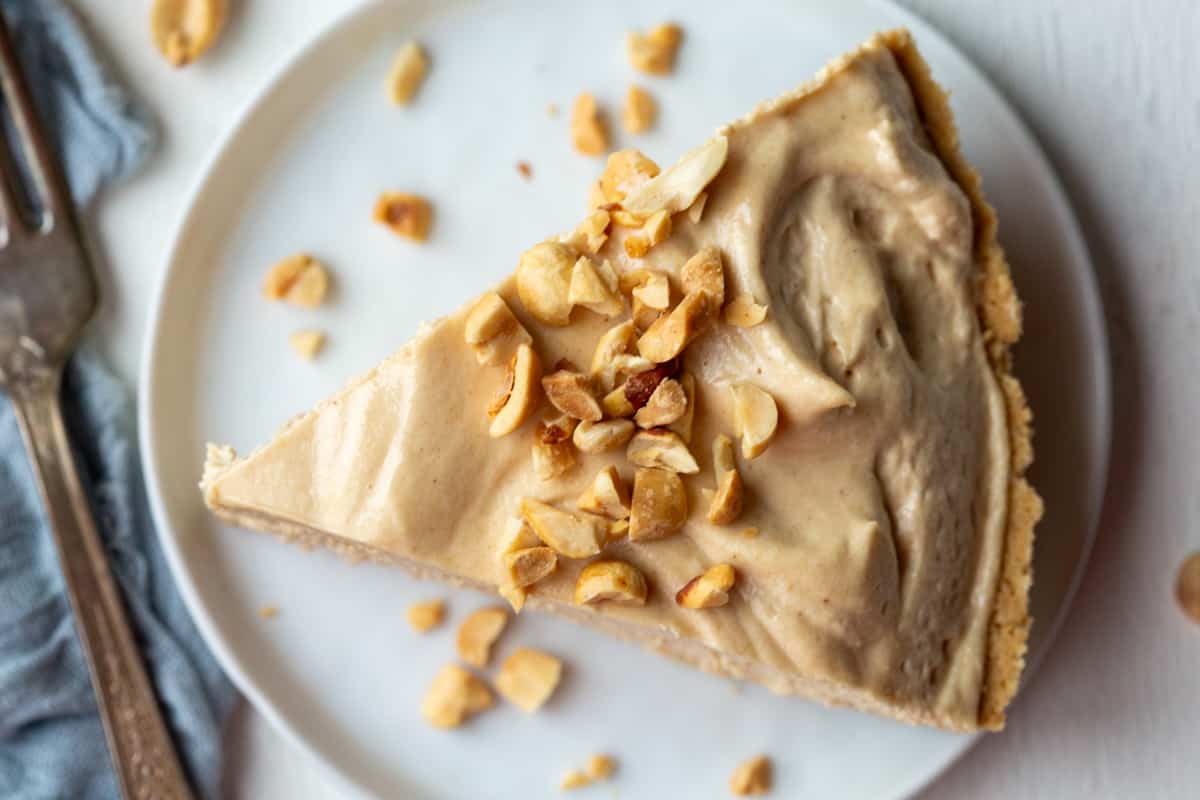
<point>525,169</point>
<point>752,777</point>
<point>1187,586</point>
<point>407,215</point>
<point>600,767</point>
<point>307,344</point>
<point>184,30</point>
<point>574,779</point>
<point>640,110</point>
<point>426,616</point>
<point>478,632</point>
<point>528,677</point>
<point>455,695</point>
<point>407,73</point>
<point>268,612</point>
<point>589,131</point>
<point>654,51</point>
<point>709,589</point>
<point>299,279</point>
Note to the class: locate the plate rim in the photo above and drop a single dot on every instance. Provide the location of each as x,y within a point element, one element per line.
<point>230,663</point>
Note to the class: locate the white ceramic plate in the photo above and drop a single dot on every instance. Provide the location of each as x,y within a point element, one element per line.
<point>338,670</point>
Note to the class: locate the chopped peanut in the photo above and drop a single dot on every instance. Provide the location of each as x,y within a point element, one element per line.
<point>683,425</point>
<point>659,507</point>
<point>654,51</point>
<point>696,210</point>
<point>455,695</point>
<point>625,171</point>
<point>307,344</point>
<point>544,281</point>
<point>572,535</point>
<point>527,567</point>
<point>553,451</point>
<point>751,778</point>
<point>300,280</point>
<point>619,340</point>
<point>672,332</point>
<point>639,111</point>
<point>667,404</point>
<point>640,388</point>
<point>478,632</point>
<point>708,590</point>
<point>606,496</point>
<point>493,331</point>
<point>726,504</point>
<point>571,393</point>
<point>184,30</point>
<point>591,234</point>
<point>755,416</point>
<point>611,581</point>
<point>744,312</point>
<point>655,230</point>
<point>704,272</point>
<point>616,405</point>
<point>676,188</point>
<point>600,437</point>
<point>589,133</point>
<point>426,616</point>
<point>524,373</point>
<point>591,288</point>
<point>408,72</point>
<point>600,767</point>
<point>661,448</point>
<point>407,215</point>
<point>575,779</point>
<point>528,677</point>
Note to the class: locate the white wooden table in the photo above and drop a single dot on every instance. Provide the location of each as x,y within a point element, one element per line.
<point>1110,89</point>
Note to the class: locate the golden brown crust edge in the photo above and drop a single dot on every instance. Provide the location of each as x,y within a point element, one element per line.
<point>1000,315</point>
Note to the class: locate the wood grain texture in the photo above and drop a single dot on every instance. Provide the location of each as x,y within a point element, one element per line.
<point>1109,87</point>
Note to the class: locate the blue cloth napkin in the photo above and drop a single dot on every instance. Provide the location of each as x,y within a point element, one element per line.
<point>51,741</point>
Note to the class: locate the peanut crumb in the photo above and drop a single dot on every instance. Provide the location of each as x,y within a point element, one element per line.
<point>600,767</point>
<point>299,279</point>
<point>552,110</point>
<point>526,170</point>
<point>640,110</point>
<point>268,612</point>
<point>426,616</point>
<point>575,779</point>
<point>1187,586</point>
<point>407,215</point>
<point>752,777</point>
<point>654,51</point>
<point>407,74</point>
<point>307,344</point>
<point>589,133</point>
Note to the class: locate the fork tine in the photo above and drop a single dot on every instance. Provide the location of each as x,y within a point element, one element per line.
<point>12,207</point>
<point>43,165</point>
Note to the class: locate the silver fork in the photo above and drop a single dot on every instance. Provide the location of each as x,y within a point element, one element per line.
<point>47,294</point>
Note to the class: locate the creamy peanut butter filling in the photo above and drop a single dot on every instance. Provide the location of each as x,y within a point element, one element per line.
<point>881,502</point>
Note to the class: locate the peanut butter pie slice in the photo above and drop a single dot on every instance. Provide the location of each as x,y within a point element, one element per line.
<point>754,413</point>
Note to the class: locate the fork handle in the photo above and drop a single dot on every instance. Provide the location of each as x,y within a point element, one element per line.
<point>143,755</point>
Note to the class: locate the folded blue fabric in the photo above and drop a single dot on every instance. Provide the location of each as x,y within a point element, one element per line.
<point>51,741</point>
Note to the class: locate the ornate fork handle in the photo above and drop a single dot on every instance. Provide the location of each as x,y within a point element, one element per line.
<point>143,753</point>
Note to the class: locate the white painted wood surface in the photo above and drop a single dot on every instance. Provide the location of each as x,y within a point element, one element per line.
<point>1110,89</point>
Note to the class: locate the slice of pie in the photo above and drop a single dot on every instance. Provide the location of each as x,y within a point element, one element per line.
<point>792,347</point>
